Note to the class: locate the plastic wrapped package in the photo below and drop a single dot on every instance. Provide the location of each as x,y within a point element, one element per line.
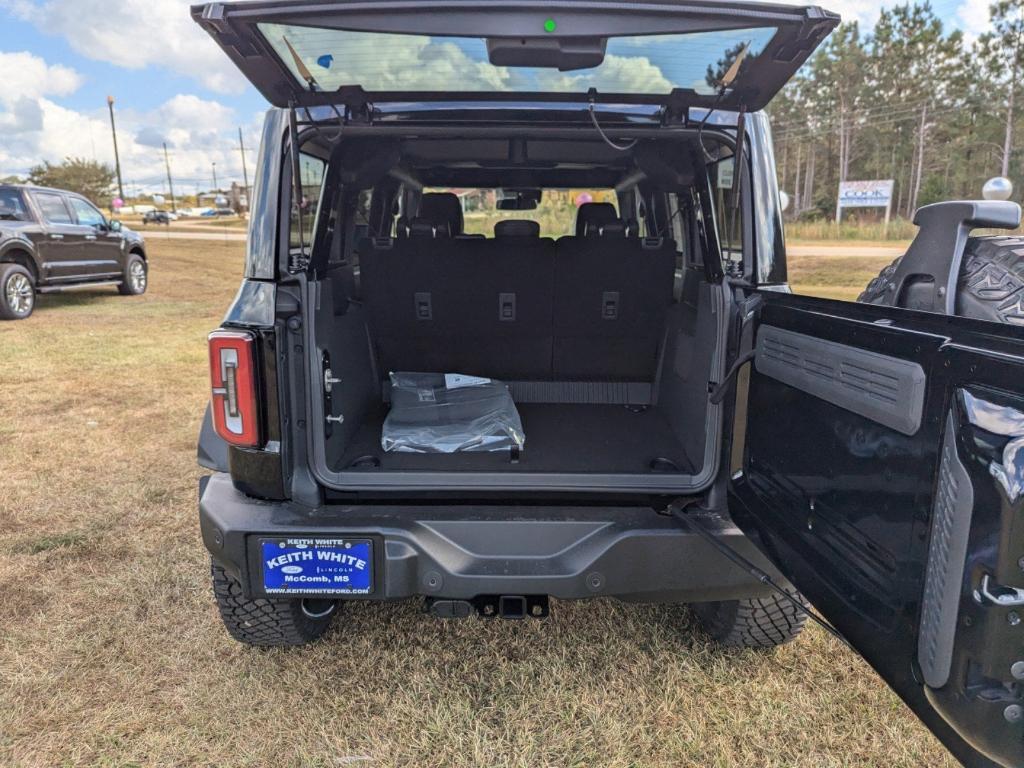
<point>450,413</point>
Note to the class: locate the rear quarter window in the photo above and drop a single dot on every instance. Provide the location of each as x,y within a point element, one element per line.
<point>12,206</point>
<point>53,208</point>
<point>312,171</point>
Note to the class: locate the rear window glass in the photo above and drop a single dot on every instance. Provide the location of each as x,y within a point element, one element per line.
<point>650,64</point>
<point>12,206</point>
<point>729,214</point>
<point>556,213</point>
<point>53,208</point>
<point>312,171</point>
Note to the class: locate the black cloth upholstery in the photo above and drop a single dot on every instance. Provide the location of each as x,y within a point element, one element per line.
<point>443,209</point>
<point>516,228</point>
<point>481,307</point>
<point>612,294</point>
<point>420,228</point>
<point>520,307</point>
<point>592,216</point>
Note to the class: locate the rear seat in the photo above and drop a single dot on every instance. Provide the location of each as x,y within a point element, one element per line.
<point>612,291</point>
<point>518,307</point>
<point>441,303</point>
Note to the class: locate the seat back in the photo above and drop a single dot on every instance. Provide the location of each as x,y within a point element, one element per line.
<point>442,304</point>
<point>612,292</point>
<point>519,307</point>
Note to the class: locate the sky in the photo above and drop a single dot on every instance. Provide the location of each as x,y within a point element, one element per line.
<point>60,59</point>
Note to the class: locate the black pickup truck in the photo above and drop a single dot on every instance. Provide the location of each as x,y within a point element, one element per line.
<point>52,240</point>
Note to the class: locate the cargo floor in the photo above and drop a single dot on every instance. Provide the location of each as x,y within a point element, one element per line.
<point>559,438</point>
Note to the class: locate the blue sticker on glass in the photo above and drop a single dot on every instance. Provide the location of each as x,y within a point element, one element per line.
<point>325,61</point>
<point>317,566</point>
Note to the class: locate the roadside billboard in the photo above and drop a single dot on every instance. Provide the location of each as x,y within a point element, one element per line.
<point>865,194</point>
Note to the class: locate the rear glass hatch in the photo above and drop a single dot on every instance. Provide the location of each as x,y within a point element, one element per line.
<point>699,54</point>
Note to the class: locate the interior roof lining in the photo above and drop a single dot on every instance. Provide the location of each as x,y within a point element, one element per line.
<point>493,161</point>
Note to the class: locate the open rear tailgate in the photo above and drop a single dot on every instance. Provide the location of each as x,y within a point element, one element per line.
<point>700,53</point>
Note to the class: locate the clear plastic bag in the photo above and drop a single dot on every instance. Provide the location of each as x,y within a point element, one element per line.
<point>438,413</point>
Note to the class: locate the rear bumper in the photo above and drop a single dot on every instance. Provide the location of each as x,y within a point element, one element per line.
<point>462,552</point>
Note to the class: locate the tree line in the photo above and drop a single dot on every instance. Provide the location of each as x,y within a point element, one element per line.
<point>910,101</point>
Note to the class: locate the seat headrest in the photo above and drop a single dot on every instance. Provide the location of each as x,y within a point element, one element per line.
<point>443,209</point>
<point>424,228</point>
<point>591,216</point>
<point>616,229</point>
<point>516,228</point>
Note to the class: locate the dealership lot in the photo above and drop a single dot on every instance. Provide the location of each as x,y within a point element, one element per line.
<point>112,653</point>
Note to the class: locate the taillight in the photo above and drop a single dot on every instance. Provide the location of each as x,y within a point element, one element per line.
<point>233,381</point>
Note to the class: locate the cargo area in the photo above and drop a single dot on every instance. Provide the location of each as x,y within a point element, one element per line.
<point>608,337</point>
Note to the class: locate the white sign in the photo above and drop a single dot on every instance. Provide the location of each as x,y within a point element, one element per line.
<point>725,174</point>
<point>865,194</point>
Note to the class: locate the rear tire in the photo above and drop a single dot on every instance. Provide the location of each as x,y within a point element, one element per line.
<point>17,292</point>
<point>765,622</point>
<point>136,276</point>
<point>269,623</point>
<point>991,285</point>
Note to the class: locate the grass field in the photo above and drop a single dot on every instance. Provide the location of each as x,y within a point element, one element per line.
<point>111,652</point>
<point>836,277</point>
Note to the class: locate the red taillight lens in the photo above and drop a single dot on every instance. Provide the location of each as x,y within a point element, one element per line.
<point>233,381</point>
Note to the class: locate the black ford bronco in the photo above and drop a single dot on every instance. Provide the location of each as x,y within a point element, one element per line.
<point>515,325</point>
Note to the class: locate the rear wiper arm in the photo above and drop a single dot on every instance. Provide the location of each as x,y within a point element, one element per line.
<point>303,70</point>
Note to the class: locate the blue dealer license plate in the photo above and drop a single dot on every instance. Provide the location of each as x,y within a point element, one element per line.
<point>317,566</point>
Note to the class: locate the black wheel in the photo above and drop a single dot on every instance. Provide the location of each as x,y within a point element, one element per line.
<point>991,285</point>
<point>136,276</point>
<point>17,292</point>
<point>269,623</point>
<point>764,622</point>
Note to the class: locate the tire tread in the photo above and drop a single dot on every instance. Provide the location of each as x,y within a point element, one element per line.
<point>261,622</point>
<point>991,284</point>
<point>764,622</point>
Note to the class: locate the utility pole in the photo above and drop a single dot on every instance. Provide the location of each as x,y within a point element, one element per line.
<point>245,168</point>
<point>170,183</point>
<point>215,187</point>
<point>921,131</point>
<point>117,155</point>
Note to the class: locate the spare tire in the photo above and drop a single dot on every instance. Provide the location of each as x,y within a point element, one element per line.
<point>991,285</point>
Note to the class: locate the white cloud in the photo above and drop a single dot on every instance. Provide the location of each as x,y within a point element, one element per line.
<point>36,127</point>
<point>26,75</point>
<point>134,34</point>
<point>618,74</point>
<point>974,18</point>
<point>863,11</point>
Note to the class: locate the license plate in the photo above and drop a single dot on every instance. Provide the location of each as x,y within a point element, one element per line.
<point>317,566</point>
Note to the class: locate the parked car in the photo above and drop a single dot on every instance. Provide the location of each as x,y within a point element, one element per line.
<point>51,240</point>
<point>402,408</point>
<point>159,217</point>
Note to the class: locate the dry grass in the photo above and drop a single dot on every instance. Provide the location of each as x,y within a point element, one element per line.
<point>851,229</point>
<point>111,652</point>
<point>836,277</point>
